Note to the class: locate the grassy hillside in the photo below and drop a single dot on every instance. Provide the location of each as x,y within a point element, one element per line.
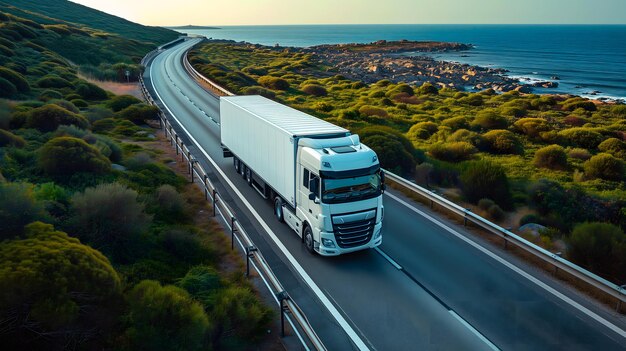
<point>58,11</point>
<point>99,247</point>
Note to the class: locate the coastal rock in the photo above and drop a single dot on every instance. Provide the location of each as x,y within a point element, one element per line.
<point>545,84</point>
<point>526,89</point>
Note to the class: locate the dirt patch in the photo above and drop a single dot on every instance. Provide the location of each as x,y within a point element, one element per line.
<point>116,88</point>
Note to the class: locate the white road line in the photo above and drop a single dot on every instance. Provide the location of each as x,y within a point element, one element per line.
<point>516,269</point>
<point>394,263</point>
<point>307,279</point>
<point>474,331</point>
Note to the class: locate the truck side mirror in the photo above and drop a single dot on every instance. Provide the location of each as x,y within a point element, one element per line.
<point>383,187</point>
<point>382,176</point>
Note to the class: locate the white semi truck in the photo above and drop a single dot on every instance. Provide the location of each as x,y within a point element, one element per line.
<point>323,182</point>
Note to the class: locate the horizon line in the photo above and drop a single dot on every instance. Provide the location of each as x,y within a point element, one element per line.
<point>396,24</point>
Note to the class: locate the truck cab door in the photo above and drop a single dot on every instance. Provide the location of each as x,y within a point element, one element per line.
<point>303,190</point>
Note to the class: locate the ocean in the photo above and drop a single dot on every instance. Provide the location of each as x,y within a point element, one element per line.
<point>587,60</point>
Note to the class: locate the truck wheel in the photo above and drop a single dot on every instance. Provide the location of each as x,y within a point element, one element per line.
<point>242,169</point>
<point>308,239</point>
<point>278,209</point>
<point>237,164</point>
<point>249,176</point>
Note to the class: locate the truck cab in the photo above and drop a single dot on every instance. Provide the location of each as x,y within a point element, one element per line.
<point>339,194</point>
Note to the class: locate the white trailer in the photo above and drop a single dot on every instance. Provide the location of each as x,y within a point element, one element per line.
<point>323,182</point>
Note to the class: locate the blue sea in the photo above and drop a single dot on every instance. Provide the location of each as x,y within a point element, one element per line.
<point>589,60</point>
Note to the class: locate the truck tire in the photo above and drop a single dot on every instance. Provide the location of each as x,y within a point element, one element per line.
<point>249,176</point>
<point>242,169</point>
<point>237,164</point>
<point>307,236</point>
<point>278,209</point>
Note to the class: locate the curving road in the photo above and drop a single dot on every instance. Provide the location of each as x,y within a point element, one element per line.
<point>428,288</point>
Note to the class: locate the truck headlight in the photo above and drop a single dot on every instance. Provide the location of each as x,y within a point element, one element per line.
<point>328,242</point>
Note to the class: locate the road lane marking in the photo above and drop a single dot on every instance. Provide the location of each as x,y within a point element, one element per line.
<point>516,269</point>
<point>474,331</point>
<point>391,260</point>
<point>308,280</point>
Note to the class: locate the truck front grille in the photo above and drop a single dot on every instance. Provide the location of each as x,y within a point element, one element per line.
<point>354,233</point>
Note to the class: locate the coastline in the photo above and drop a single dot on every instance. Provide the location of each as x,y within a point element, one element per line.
<point>586,58</point>
<point>412,62</point>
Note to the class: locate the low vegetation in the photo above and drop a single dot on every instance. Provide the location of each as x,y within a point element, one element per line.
<point>100,247</point>
<point>561,156</point>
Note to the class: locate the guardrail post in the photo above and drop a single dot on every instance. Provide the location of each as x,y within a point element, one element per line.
<point>176,142</point>
<point>214,202</point>
<point>556,268</point>
<point>249,253</point>
<point>232,232</point>
<point>282,297</point>
<point>206,190</point>
<point>464,215</point>
<point>191,163</point>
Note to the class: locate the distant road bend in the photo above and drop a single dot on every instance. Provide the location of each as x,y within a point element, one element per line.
<point>429,287</point>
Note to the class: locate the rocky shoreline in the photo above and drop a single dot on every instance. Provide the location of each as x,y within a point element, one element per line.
<point>400,61</point>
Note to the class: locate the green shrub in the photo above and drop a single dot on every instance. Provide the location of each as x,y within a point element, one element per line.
<point>619,111</point>
<point>552,156</point>
<point>90,91</point>
<point>532,126</point>
<point>416,133</point>
<point>599,247</point>
<point>64,156</point>
<point>489,119</point>
<point>80,103</point>
<point>7,89</point>
<point>65,104</point>
<point>94,114</point>
<point>402,88</point>
<point>139,113</point>
<point>9,139</point>
<point>455,123</point>
<point>256,90</point>
<point>530,218</point>
<point>170,205</point>
<point>582,137</point>
<point>53,81</point>
<point>239,309</point>
<point>604,166</point>
<point>273,83</point>
<point>155,309</point>
<point>55,286</point>
<point>50,94</point>
<point>513,111</point>
<point>614,147</point>
<point>495,212</point>
<point>501,141</point>
<point>120,102</point>
<point>49,117</point>
<point>20,83</point>
<point>372,111</point>
<point>468,136</point>
<point>394,150</point>
<point>110,217</point>
<point>427,89</point>
<point>315,90</point>
<point>472,100</point>
<point>483,179</point>
<point>578,153</point>
<point>17,208</point>
<point>585,104</point>
<point>453,151</point>
<point>484,204</point>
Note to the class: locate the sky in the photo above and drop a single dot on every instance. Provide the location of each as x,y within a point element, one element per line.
<point>276,12</point>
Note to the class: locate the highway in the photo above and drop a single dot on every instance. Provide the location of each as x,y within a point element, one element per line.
<point>428,288</point>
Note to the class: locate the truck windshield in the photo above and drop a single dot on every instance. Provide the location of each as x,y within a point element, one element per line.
<point>336,190</point>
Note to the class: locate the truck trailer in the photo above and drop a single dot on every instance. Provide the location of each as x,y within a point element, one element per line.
<point>324,183</point>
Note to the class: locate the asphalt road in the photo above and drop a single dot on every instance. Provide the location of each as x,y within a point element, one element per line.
<point>441,293</point>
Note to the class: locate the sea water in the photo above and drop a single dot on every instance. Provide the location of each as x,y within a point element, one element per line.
<point>587,60</point>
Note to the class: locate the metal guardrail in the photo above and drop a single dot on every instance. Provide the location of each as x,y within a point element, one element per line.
<point>199,176</point>
<point>195,74</point>
<point>559,263</point>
